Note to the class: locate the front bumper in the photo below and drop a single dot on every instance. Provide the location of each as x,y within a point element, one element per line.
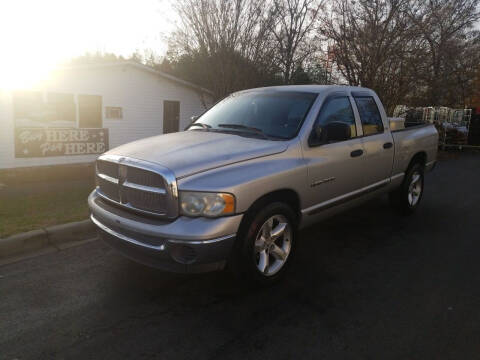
<point>183,245</point>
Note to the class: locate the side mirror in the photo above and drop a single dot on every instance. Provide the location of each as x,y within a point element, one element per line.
<point>332,132</point>
<point>192,120</point>
<point>338,131</point>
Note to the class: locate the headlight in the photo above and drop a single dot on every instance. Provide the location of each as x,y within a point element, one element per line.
<point>194,203</point>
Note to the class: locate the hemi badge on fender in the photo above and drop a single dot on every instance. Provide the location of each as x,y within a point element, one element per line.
<point>323,181</point>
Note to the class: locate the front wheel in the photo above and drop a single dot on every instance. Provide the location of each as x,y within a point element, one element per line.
<point>266,244</point>
<point>407,197</point>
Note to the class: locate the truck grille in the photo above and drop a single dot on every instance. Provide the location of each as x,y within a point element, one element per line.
<point>137,185</point>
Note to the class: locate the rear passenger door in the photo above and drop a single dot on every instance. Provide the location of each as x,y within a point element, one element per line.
<point>377,141</point>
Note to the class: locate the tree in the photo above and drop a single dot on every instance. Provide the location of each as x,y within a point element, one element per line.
<point>95,58</point>
<point>445,26</point>
<point>227,42</point>
<point>373,45</point>
<point>294,22</point>
<point>414,52</point>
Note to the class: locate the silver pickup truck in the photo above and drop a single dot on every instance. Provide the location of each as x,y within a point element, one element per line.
<point>234,189</point>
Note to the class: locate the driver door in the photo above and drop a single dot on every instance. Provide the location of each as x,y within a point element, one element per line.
<point>335,160</point>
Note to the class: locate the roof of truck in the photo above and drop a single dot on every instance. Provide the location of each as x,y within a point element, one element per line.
<point>310,88</point>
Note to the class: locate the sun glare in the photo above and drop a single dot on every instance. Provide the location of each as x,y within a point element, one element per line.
<point>36,36</point>
<point>23,76</point>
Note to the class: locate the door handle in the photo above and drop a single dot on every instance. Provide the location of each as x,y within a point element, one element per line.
<point>387,145</point>
<point>356,153</point>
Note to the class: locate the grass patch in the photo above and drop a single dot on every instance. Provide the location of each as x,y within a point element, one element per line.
<point>33,206</point>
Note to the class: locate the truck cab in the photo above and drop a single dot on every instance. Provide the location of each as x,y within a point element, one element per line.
<point>235,187</point>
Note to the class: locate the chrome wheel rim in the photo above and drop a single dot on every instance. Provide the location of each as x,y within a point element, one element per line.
<point>272,245</point>
<point>415,189</point>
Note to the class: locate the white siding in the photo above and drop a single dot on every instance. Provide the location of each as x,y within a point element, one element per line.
<point>140,93</point>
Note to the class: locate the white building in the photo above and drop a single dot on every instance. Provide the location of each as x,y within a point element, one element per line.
<point>82,111</point>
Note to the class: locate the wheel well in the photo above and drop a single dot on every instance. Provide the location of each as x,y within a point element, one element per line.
<point>420,157</point>
<point>287,196</point>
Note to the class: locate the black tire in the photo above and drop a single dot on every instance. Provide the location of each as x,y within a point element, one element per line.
<point>243,260</point>
<point>400,198</point>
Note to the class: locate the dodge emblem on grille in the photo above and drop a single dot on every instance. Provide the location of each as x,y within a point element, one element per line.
<point>122,173</point>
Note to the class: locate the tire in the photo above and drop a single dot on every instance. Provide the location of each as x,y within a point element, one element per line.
<point>258,248</point>
<point>407,197</point>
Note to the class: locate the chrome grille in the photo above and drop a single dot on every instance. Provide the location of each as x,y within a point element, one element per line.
<point>110,189</point>
<point>137,185</point>
<point>144,177</point>
<point>107,168</point>
<point>146,200</point>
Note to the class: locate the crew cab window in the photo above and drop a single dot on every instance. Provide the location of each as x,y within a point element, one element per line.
<point>369,115</point>
<point>334,123</point>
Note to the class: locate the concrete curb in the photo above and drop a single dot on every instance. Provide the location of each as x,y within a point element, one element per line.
<point>56,237</point>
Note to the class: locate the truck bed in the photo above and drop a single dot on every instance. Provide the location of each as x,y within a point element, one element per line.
<point>412,140</point>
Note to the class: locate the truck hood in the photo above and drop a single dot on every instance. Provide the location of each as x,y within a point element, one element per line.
<point>191,152</point>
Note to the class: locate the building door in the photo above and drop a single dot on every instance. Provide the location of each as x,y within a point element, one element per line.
<point>89,111</point>
<point>171,116</point>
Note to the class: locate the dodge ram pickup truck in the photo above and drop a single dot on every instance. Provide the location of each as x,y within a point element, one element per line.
<point>235,187</point>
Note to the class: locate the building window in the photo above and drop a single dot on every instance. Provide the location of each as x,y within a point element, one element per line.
<point>28,105</point>
<point>60,107</point>
<point>113,112</point>
<point>31,109</point>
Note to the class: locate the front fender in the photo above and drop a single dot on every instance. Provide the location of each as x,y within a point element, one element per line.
<point>253,179</point>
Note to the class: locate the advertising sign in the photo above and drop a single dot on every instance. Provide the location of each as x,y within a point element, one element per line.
<point>42,142</point>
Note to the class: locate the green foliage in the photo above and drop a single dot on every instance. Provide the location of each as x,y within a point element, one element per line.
<point>32,206</point>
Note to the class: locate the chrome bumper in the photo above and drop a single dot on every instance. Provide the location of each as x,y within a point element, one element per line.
<point>184,245</point>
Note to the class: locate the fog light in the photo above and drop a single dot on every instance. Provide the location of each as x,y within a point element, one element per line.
<point>183,254</point>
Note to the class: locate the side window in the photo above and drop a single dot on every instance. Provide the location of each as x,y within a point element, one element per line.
<point>369,115</point>
<point>335,122</point>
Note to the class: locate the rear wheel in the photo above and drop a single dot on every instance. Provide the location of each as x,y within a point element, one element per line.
<point>407,197</point>
<point>266,243</point>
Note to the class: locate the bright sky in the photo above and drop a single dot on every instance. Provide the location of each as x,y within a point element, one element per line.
<point>36,35</point>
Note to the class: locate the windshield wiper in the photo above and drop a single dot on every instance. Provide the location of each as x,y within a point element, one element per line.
<point>244,127</point>
<point>205,126</point>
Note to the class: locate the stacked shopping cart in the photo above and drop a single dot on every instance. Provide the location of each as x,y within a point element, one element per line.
<point>453,125</point>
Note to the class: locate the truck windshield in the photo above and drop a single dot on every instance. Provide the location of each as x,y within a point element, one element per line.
<point>276,115</point>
